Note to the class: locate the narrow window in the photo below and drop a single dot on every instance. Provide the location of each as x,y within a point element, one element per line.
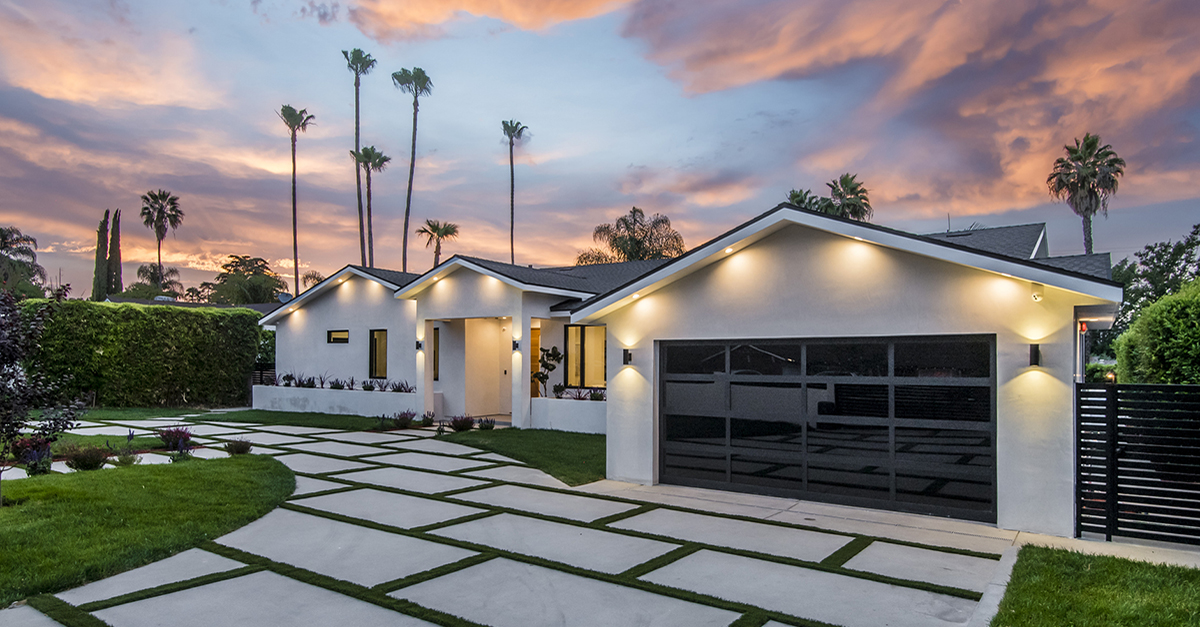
<point>586,356</point>
<point>337,337</point>
<point>378,354</point>
<point>436,352</point>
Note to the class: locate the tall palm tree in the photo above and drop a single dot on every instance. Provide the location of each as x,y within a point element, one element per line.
<point>514,131</point>
<point>435,232</point>
<point>847,199</point>
<point>370,160</point>
<point>633,237</point>
<point>805,199</point>
<point>417,83</point>
<point>360,63</point>
<point>1086,178</point>
<point>160,211</point>
<point>18,257</point>
<point>296,121</point>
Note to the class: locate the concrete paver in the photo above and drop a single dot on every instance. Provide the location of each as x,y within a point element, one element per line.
<point>504,593</point>
<point>343,449</point>
<point>26,616</point>
<point>430,462</point>
<point>180,567</point>
<point>435,446</point>
<point>388,508</point>
<point>273,439</point>
<point>573,507</point>
<point>227,432</point>
<point>932,537</point>
<point>916,564</point>
<point>593,549</point>
<point>496,457</point>
<point>308,485</point>
<point>518,474</point>
<point>152,423</point>
<point>341,550</point>
<point>315,464</point>
<point>412,480</point>
<point>243,425</point>
<point>209,453</point>
<point>366,437</point>
<point>293,430</point>
<point>109,430</point>
<point>13,473</point>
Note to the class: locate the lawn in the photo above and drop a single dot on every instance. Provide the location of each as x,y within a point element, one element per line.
<point>574,458</point>
<point>139,443</point>
<point>61,531</point>
<point>132,413</point>
<point>1057,588</point>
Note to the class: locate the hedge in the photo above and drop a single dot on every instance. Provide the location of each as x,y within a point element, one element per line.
<point>1163,344</point>
<point>150,355</point>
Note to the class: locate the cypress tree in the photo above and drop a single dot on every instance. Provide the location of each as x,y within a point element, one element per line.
<point>100,276</point>
<point>115,285</point>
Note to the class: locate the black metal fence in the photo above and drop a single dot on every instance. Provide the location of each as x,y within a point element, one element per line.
<point>264,374</point>
<point>1138,461</point>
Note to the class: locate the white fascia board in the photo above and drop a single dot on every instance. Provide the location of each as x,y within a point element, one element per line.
<point>1036,246</point>
<point>318,289</point>
<point>754,231</point>
<point>427,279</point>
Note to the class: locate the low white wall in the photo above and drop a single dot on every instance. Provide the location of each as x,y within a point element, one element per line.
<point>562,414</point>
<point>348,402</point>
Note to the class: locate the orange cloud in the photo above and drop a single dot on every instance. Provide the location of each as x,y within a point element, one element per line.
<point>392,20</point>
<point>706,189</point>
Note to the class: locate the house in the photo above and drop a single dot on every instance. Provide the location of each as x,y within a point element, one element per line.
<point>798,355</point>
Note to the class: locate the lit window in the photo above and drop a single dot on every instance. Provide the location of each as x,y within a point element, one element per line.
<point>377,369</point>
<point>585,356</point>
<point>337,337</point>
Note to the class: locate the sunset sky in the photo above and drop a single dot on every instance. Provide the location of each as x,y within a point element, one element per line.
<point>707,111</point>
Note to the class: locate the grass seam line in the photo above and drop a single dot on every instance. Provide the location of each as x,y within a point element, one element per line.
<point>64,613</point>
<point>462,564</point>
<point>847,552</point>
<point>656,563</point>
<point>157,591</point>
<point>602,523</point>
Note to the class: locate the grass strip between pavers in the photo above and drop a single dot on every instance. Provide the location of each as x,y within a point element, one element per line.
<point>168,588</point>
<point>64,613</point>
<point>751,619</point>
<point>602,523</point>
<point>846,553</point>
<point>649,566</point>
<point>433,573</point>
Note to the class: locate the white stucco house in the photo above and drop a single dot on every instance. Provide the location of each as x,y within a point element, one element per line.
<point>798,355</point>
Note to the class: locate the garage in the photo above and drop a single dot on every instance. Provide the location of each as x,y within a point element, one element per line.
<point>902,423</point>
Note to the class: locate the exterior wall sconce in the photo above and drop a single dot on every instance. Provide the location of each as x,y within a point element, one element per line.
<point>1038,292</point>
<point>626,356</point>
<point>420,345</point>
<point>1035,354</point>
<point>516,345</point>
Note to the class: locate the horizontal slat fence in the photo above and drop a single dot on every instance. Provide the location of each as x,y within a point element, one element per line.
<point>1138,461</point>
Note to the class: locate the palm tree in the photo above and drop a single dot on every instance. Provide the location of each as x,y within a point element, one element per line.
<point>370,160</point>
<point>18,257</point>
<point>514,131</point>
<point>847,199</point>
<point>417,83</point>
<point>160,211</point>
<point>805,199</point>
<point>360,63</point>
<point>435,232</point>
<point>168,281</point>
<point>633,237</point>
<point>295,121</point>
<point>1086,178</point>
<point>311,278</point>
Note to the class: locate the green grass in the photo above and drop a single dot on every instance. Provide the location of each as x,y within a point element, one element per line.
<point>301,419</point>
<point>1057,588</point>
<point>573,458</point>
<point>140,443</point>
<point>61,531</point>
<point>139,413</point>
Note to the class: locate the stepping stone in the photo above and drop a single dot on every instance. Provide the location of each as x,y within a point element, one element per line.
<point>214,430</point>
<point>275,439</point>
<point>811,594</point>
<point>181,567</point>
<point>154,458</point>
<point>810,546</point>
<point>504,593</point>
<point>519,474</point>
<point>308,485</point>
<point>496,457</point>
<point>13,473</point>
<point>365,437</point>
<point>26,616</point>
<point>429,462</point>
<point>388,508</point>
<point>340,550</point>
<point>292,429</point>
<point>262,598</point>
<point>315,465</point>
<point>60,467</point>
<point>904,532</point>
<point>435,446</point>
<point>209,453</point>
<point>938,567</point>
<point>592,549</point>
<point>337,448</point>
<point>202,441</point>
<point>153,423</point>
<point>574,507</point>
<point>416,433</point>
<point>244,425</point>
<point>411,480</point>
<point>109,431</point>
<point>86,423</point>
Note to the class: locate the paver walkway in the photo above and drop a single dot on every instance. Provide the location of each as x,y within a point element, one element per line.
<point>397,529</point>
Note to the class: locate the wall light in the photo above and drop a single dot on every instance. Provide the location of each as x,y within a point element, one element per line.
<point>1035,354</point>
<point>436,278</point>
<point>516,345</point>
<point>626,356</point>
<point>636,296</point>
<point>728,250</point>
<point>420,345</point>
<point>1038,292</point>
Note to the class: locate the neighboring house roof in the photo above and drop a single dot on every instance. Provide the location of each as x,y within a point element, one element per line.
<point>1022,241</point>
<point>1095,264</point>
<point>395,277</point>
<point>263,308</point>
<point>391,279</point>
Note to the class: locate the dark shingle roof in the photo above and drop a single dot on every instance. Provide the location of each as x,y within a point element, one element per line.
<point>1019,241</point>
<point>395,277</point>
<point>593,279</point>
<point>1096,264</point>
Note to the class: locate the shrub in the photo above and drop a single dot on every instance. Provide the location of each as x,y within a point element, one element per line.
<point>24,446</point>
<point>85,457</point>
<point>597,395</point>
<point>306,382</point>
<point>238,446</point>
<point>403,387</point>
<point>368,386</point>
<point>38,461</point>
<point>1160,346</point>
<point>579,394</point>
<point>487,424</point>
<point>337,384</point>
<point>350,383</point>
<point>462,423</point>
<point>125,458</point>
<point>427,419</point>
<point>404,419</point>
<point>1098,373</point>
<point>288,379</point>
<point>558,389</point>
<point>322,379</point>
<point>173,437</point>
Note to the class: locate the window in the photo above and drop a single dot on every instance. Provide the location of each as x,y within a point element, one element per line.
<point>585,357</point>
<point>436,352</point>
<point>377,369</point>
<point>337,337</point>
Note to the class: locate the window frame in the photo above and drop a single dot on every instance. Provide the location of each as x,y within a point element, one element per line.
<point>329,339</point>
<point>582,357</point>
<point>373,354</point>
<point>436,352</point>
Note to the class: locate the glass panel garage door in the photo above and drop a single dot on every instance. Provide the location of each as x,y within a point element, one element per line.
<point>904,423</point>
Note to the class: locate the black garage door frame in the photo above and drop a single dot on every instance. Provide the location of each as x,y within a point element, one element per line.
<point>823,419</point>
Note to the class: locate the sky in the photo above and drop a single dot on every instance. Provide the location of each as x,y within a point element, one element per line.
<point>706,111</point>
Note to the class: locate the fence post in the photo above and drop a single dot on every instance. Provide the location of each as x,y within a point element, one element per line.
<point>1110,492</point>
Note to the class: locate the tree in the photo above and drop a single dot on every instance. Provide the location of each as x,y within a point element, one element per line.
<point>115,284</point>
<point>246,280</point>
<point>146,291</point>
<point>435,232</point>
<point>100,274</point>
<point>311,278</point>
<point>160,211</point>
<point>1160,346</point>
<point>18,260</point>
<point>633,237</point>
<point>371,160</point>
<point>805,199</point>
<point>295,121</point>
<point>417,83</point>
<point>847,199</point>
<point>167,282</point>
<point>202,294</point>
<point>361,64</point>
<point>515,132</point>
<point>1086,178</point>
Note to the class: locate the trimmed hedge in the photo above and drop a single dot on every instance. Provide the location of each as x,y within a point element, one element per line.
<point>151,355</point>
<point>1163,344</point>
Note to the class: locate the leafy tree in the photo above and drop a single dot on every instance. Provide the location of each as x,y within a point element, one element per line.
<point>360,64</point>
<point>100,274</point>
<point>435,232</point>
<point>18,260</point>
<point>633,237</point>
<point>847,199</point>
<point>296,121</point>
<point>145,291</point>
<point>1161,345</point>
<point>805,199</point>
<point>246,280</point>
<point>201,294</point>
<point>1086,178</point>
<point>371,160</point>
<point>115,284</point>
<point>417,83</point>
<point>167,282</point>
<point>515,132</point>
<point>547,362</point>
<point>160,211</point>
<point>311,278</point>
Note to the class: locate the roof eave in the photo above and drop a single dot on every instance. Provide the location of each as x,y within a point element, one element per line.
<point>452,264</point>
<point>320,288</point>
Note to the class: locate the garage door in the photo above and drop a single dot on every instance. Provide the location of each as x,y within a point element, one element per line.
<point>905,423</point>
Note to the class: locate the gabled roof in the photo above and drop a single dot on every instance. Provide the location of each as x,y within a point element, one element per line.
<point>1022,241</point>
<point>574,282</point>
<point>786,214</point>
<point>390,279</point>
<point>1096,264</point>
